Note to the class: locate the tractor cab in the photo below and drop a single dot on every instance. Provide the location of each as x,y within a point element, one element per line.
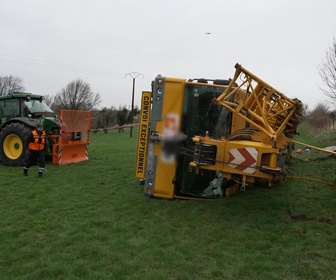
<point>24,105</point>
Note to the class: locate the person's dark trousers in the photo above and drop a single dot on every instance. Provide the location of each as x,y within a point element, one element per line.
<point>33,156</point>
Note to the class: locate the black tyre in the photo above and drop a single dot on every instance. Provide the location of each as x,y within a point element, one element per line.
<point>13,148</point>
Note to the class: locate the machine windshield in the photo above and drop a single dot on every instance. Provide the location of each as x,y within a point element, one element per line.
<point>200,116</point>
<point>37,106</point>
<point>205,116</point>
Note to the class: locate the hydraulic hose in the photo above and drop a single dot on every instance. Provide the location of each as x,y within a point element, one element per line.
<point>313,179</point>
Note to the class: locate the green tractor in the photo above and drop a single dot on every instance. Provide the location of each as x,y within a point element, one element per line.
<point>19,113</point>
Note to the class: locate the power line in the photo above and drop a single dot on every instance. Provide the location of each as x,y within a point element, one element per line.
<point>56,66</point>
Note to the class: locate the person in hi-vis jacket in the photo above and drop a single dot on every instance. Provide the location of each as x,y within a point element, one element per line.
<point>36,142</point>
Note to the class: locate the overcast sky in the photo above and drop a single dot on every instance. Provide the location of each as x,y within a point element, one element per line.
<point>50,43</point>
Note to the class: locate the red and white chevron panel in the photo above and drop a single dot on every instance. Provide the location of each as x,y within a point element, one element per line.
<point>243,159</point>
<point>60,149</point>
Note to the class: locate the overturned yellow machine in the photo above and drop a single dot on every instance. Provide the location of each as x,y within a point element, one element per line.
<point>205,138</point>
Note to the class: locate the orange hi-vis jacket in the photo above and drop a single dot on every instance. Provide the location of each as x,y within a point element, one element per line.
<point>39,141</point>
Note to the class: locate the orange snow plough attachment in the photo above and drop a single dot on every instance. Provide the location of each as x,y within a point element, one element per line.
<point>74,137</point>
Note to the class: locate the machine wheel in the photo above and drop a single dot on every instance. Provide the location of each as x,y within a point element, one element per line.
<point>13,151</point>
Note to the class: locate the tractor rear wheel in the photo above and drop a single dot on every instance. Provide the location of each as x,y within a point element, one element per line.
<point>13,148</point>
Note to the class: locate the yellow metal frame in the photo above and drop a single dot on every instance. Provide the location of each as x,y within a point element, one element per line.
<point>165,171</point>
<point>222,158</point>
<point>262,106</point>
<point>313,147</point>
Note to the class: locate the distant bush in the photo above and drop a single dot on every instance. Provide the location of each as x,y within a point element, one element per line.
<point>318,119</point>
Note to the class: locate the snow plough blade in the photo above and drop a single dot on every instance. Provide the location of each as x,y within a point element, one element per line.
<point>74,140</point>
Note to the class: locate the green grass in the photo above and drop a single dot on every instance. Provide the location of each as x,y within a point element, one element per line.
<point>91,221</point>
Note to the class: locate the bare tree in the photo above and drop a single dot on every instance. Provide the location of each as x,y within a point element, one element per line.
<point>122,117</point>
<point>105,118</point>
<point>77,95</point>
<point>10,84</point>
<point>327,72</point>
<point>319,117</point>
<point>49,99</point>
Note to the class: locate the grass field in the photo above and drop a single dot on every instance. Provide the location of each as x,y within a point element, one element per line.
<point>91,221</point>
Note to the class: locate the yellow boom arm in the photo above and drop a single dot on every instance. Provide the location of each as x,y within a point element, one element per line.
<point>261,105</point>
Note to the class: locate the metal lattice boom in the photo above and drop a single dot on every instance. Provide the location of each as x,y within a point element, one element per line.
<point>261,105</point>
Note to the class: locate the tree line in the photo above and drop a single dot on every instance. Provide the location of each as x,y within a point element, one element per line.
<point>77,95</point>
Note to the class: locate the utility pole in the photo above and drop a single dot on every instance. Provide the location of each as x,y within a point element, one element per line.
<point>133,75</point>
<point>332,116</point>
